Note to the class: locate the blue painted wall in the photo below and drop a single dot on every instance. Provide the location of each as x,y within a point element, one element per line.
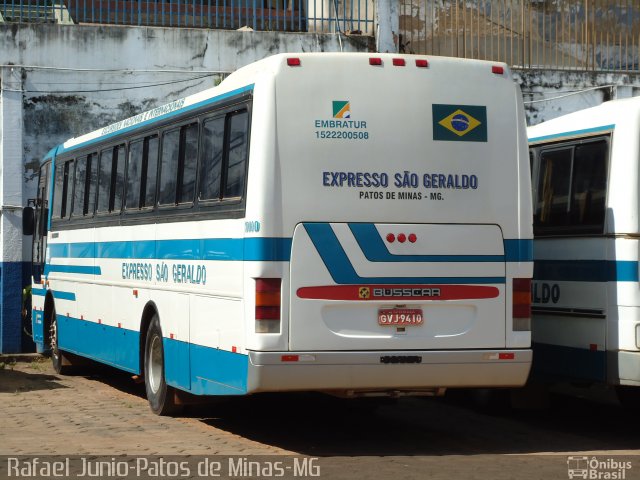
<point>13,277</point>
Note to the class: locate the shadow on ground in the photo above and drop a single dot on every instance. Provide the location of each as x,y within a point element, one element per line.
<point>14,381</point>
<point>320,425</point>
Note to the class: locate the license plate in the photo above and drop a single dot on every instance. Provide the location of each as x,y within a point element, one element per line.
<point>399,317</point>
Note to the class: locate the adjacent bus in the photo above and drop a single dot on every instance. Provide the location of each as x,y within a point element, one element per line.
<point>357,224</point>
<point>586,302</point>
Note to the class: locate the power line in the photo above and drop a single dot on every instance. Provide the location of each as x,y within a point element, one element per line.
<point>576,92</point>
<point>108,89</point>
<point>113,70</point>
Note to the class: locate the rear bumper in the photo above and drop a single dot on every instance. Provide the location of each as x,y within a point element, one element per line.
<point>366,371</point>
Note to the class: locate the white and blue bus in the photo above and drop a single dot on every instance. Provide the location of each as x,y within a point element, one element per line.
<point>357,224</point>
<point>586,302</point>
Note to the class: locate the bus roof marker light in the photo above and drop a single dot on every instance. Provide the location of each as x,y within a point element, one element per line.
<point>497,69</point>
<point>294,62</point>
<point>391,237</point>
<point>413,237</point>
<point>422,63</point>
<point>402,237</point>
<point>399,62</point>
<point>375,61</point>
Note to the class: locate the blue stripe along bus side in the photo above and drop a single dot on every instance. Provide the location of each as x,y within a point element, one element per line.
<point>56,294</point>
<point>374,249</point>
<point>229,249</point>
<point>570,134</point>
<point>190,367</point>
<point>341,270</point>
<point>586,270</point>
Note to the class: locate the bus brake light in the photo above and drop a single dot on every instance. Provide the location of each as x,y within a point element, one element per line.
<point>294,62</point>
<point>497,69</point>
<point>521,305</point>
<point>267,314</point>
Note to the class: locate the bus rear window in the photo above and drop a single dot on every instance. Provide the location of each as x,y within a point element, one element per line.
<point>571,188</point>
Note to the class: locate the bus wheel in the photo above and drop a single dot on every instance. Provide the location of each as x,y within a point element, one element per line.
<point>58,358</point>
<point>160,395</point>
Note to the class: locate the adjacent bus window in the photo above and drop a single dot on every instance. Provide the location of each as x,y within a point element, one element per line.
<point>571,190</point>
<point>212,154</point>
<point>238,129</point>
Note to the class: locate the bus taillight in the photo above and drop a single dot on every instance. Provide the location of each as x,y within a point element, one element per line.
<point>268,305</point>
<point>521,304</point>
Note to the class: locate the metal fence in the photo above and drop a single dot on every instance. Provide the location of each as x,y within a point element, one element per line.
<point>346,16</point>
<point>591,35</point>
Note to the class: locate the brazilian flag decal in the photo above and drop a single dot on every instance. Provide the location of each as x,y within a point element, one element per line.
<point>459,123</point>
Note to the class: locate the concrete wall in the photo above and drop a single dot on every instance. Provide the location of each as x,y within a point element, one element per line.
<point>59,81</point>
<point>550,94</point>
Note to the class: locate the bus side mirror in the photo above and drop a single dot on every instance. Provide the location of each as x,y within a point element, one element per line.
<point>28,221</point>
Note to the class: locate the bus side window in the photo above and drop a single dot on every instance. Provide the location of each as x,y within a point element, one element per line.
<point>58,191</point>
<point>117,179</point>
<point>67,189</point>
<point>104,180</point>
<point>554,187</point>
<point>134,174</point>
<point>80,183</point>
<point>188,163</point>
<point>92,181</point>
<point>151,145</point>
<point>169,167</point>
<point>237,156</point>
<point>589,185</point>
<point>212,154</point>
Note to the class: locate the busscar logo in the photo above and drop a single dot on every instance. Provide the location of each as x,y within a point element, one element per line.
<point>406,292</point>
<point>459,123</point>
<point>364,293</point>
<point>341,109</point>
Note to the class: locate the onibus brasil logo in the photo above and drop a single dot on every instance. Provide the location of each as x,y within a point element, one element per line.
<point>595,468</point>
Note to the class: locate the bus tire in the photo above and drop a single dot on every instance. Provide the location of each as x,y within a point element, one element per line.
<point>161,396</point>
<point>59,359</point>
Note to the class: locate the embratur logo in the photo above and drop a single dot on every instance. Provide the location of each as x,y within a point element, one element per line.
<point>341,109</point>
